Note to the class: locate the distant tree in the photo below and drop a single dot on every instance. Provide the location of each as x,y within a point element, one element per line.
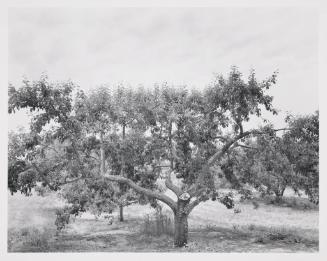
<point>175,132</point>
<point>303,143</point>
<point>264,164</point>
<point>17,146</point>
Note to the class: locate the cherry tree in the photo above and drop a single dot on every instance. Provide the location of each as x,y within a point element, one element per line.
<point>145,136</point>
<point>303,152</point>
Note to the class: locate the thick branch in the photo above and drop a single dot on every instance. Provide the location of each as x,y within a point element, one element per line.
<point>159,196</point>
<point>244,146</point>
<point>241,127</point>
<point>218,155</point>
<point>72,180</point>
<point>239,124</point>
<point>220,138</point>
<point>171,158</point>
<point>127,203</point>
<point>102,155</point>
<point>47,182</point>
<point>169,184</point>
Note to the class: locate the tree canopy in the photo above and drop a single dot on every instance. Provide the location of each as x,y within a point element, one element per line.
<point>87,143</point>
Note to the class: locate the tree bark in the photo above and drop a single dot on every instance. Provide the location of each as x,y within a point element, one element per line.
<point>121,189</point>
<point>121,213</point>
<point>279,195</point>
<point>181,224</point>
<point>102,156</point>
<point>181,230</point>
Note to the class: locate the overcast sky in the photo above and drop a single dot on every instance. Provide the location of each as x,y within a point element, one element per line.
<point>177,45</point>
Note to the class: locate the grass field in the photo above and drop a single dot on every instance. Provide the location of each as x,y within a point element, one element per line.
<point>268,228</point>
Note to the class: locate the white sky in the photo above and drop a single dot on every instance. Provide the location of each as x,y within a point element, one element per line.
<point>177,45</point>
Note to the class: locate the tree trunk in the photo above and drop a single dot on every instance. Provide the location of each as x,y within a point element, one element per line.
<point>279,195</point>
<point>102,156</point>
<point>278,198</point>
<point>121,213</point>
<point>121,187</point>
<point>181,225</point>
<point>181,230</point>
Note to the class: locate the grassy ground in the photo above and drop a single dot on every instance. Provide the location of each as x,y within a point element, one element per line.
<point>267,228</point>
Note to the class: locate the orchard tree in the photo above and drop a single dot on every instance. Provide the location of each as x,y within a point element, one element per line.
<point>169,132</point>
<point>264,164</point>
<point>270,163</point>
<point>303,144</point>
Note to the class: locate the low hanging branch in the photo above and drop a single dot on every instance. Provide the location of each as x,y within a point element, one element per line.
<point>152,194</point>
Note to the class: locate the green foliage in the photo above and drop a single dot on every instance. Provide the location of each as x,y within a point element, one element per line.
<point>95,111</point>
<point>303,144</point>
<point>20,177</point>
<point>271,162</point>
<point>264,164</point>
<point>134,133</point>
<point>52,101</point>
<point>242,99</point>
<point>14,169</point>
<point>95,195</point>
<point>227,200</point>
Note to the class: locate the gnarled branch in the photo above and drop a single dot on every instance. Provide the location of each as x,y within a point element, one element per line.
<point>169,184</point>
<point>147,192</point>
<point>245,146</point>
